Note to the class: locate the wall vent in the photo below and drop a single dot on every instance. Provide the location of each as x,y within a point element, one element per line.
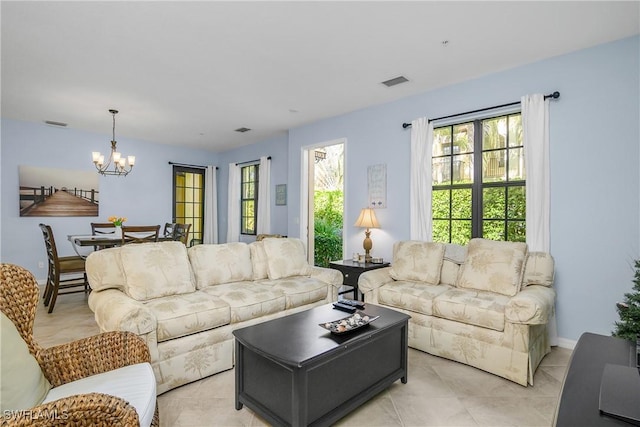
<point>395,81</point>
<point>243,130</point>
<point>52,123</point>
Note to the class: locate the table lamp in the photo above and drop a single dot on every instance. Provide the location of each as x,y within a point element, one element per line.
<point>367,219</point>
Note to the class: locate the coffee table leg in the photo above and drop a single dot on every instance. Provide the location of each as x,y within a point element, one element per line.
<point>239,376</point>
<point>299,404</point>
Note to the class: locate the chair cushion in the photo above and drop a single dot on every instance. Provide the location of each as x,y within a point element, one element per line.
<point>223,263</point>
<point>286,258</point>
<point>493,266</point>
<point>485,309</point>
<point>248,300</point>
<point>417,261</point>
<point>298,291</point>
<point>180,315</point>
<point>259,260</point>
<point>22,383</point>
<point>413,296</point>
<point>154,270</point>
<point>134,383</point>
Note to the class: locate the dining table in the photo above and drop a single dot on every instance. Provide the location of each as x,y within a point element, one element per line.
<point>102,241</point>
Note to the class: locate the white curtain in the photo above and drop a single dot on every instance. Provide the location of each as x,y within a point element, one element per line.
<point>535,129</point>
<point>210,232</point>
<point>264,197</point>
<point>420,186</point>
<point>233,210</point>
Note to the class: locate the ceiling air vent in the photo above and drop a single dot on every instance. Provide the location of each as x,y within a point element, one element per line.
<point>395,81</point>
<point>243,130</point>
<point>52,123</point>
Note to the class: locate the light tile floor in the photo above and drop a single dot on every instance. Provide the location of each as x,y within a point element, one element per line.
<point>439,392</point>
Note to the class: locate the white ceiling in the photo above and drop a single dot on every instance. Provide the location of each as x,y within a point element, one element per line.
<point>189,73</point>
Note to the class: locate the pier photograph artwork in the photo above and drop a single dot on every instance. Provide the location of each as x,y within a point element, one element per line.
<point>58,192</point>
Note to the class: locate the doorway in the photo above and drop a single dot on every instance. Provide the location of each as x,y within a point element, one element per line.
<point>323,201</point>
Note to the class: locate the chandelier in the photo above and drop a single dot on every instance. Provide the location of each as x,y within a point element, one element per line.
<point>120,167</point>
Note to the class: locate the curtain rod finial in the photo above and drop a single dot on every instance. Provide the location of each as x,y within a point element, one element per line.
<point>406,125</point>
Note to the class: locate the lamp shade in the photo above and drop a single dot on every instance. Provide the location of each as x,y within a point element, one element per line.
<point>367,219</point>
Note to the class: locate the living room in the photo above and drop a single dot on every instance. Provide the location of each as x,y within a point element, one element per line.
<point>595,231</point>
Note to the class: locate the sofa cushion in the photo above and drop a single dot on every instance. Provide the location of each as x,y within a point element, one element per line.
<point>286,258</point>
<point>493,266</point>
<point>180,315</point>
<point>23,384</point>
<point>259,260</point>
<point>417,261</point>
<point>154,270</point>
<point>104,270</point>
<point>412,296</point>
<point>217,264</point>
<point>485,309</point>
<point>538,269</point>
<point>248,300</point>
<point>298,291</point>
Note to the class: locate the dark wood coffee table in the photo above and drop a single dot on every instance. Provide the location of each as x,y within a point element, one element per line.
<point>293,372</point>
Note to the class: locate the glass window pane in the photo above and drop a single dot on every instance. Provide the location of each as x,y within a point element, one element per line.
<point>441,141</point>
<point>463,169</point>
<point>493,203</point>
<point>516,164</point>
<point>460,232</point>
<point>494,133</point>
<point>461,203</point>
<point>494,166</point>
<point>517,231</point>
<point>515,130</point>
<point>516,206</point>
<point>463,138</point>
<point>440,230</point>
<point>440,204</point>
<point>441,170</point>
<point>493,230</point>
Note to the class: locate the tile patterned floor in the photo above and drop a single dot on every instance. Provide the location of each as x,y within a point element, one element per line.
<point>439,392</point>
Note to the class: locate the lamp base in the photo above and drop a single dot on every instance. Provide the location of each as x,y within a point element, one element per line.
<point>367,245</point>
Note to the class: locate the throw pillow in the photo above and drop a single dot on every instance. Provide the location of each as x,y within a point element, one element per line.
<point>493,266</point>
<point>286,258</point>
<point>154,270</point>
<point>417,261</point>
<point>224,263</point>
<point>22,383</point>
<point>539,269</point>
<point>259,260</point>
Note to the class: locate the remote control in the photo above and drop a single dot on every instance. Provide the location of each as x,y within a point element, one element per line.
<point>344,307</point>
<point>352,303</point>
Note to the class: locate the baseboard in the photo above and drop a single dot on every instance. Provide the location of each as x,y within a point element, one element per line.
<point>566,343</point>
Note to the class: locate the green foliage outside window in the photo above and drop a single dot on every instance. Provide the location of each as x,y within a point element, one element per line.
<point>328,220</point>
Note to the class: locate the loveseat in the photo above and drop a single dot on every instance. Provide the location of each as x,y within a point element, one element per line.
<point>185,303</point>
<point>486,304</point>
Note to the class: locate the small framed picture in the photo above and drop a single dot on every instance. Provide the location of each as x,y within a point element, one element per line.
<point>281,194</point>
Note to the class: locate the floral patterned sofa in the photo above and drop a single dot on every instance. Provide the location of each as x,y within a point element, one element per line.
<point>185,303</point>
<point>486,304</point>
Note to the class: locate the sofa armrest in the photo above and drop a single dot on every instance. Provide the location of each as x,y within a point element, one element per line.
<point>533,305</point>
<point>115,311</point>
<point>370,281</point>
<point>327,275</point>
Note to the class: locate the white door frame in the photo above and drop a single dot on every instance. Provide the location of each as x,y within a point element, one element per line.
<point>307,162</point>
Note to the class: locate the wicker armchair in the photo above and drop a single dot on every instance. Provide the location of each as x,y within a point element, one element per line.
<point>69,362</point>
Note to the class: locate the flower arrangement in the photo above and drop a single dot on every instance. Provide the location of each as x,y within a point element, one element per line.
<point>117,220</point>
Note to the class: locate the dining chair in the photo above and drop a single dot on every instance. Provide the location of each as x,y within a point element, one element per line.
<point>102,228</point>
<point>181,233</point>
<point>140,233</point>
<point>169,229</point>
<point>71,267</point>
<point>58,384</point>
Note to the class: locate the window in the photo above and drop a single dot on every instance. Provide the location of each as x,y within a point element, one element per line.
<point>486,201</point>
<point>249,199</point>
<point>188,200</point>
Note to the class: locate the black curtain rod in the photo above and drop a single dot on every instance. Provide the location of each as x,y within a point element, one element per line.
<point>250,161</point>
<point>189,166</point>
<point>553,95</point>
